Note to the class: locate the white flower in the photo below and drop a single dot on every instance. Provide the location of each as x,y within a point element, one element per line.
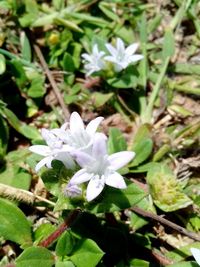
<point>93,62</point>
<point>196,254</point>
<point>121,56</point>
<point>75,135</point>
<point>53,150</point>
<point>99,168</point>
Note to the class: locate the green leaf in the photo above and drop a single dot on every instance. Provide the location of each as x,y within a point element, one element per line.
<point>65,244</point>
<point>185,264</point>
<point>18,72</point>
<point>14,226</point>
<point>25,47</point>
<point>37,88</point>
<point>2,64</point>
<point>126,79</point>
<point>100,99</point>
<point>168,44</point>
<point>166,189</point>
<point>113,199</point>
<point>68,63</point>
<point>4,135</point>
<point>64,264</point>
<point>137,263</point>
<point>43,231</point>
<point>86,254</point>
<point>142,145</point>
<point>116,141</point>
<point>35,257</point>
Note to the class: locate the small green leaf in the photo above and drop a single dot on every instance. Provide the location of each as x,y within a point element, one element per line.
<point>14,226</point>
<point>25,47</point>
<point>99,99</point>
<point>68,63</point>
<point>2,64</point>
<point>35,257</point>
<point>116,141</point>
<point>65,244</point>
<point>64,264</point>
<point>168,44</point>
<point>86,254</point>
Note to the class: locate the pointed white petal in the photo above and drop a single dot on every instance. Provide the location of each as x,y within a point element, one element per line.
<point>116,180</point>
<point>111,59</point>
<point>80,177</point>
<point>120,45</point>
<point>93,125</point>
<point>87,57</point>
<point>40,150</point>
<point>112,50</point>
<point>119,159</point>
<point>99,146</point>
<point>76,123</point>
<point>196,254</point>
<point>135,58</point>
<point>94,188</point>
<point>42,163</point>
<point>130,50</point>
<point>82,158</point>
<point>66,160</point>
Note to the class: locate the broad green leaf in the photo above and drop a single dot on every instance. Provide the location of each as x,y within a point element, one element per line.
<point>64,264</point>
<point>113,199</point>
<point>14,226</point>
<point>100,99</point>
<point>86,254</point>
<point>166,189</point>
<point>37,88</point>
<point>116,141</point>
<point>18,72</point>
<point>2,64</point>
<point>65,244</point>
<point>35,257</point>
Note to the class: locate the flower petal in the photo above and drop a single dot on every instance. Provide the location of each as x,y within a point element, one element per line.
<point>40,150</point>
<point>135,58</point>
<point>93,125</point>
<point>112,50</point>
<point>196,254</point>
<point>66,159</point>
<point>120,45</point>
<point>99,146</point>
<point>76,123</point>
<point>80,177</point>
<point>82,158</point>
<point>43,162</point>
<point>119,159</point>
<point>130,50</point>
<point>94,188</point>
<point>115,180</point>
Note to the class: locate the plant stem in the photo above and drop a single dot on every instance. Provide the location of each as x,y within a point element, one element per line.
<point>58,232</point>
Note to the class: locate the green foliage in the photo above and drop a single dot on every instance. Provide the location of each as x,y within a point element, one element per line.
<point>14,225</point>
<point>35,257</point>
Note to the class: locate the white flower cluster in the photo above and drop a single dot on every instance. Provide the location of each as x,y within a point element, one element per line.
<point>119,56</point>
<point>74,142</point>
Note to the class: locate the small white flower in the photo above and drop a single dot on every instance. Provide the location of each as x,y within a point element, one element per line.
<point>93,62</point>
<point>75,135</point>
<point>196,254</point>
<point>121,56</point>
<point>99,168</point>
<point>53,150</point>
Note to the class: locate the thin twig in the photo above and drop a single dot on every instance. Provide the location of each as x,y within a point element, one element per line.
<point>64,226</point>
<point>52,81</point>
<point>166,222</point>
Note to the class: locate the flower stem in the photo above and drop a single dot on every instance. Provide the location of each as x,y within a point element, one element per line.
<point>62,227</point>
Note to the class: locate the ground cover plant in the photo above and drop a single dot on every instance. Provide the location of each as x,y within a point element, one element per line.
<point>99,133</point>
